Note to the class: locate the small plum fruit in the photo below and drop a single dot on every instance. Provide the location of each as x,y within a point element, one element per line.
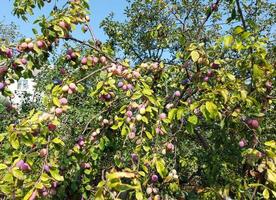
<point>177,93</point>
<point>162,116</point>
<point>43,152</point>
<point>154,178</point>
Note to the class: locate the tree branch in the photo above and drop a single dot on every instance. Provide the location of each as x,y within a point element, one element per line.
<point>241,14</point>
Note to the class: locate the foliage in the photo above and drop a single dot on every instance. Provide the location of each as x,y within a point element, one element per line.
<point>198,126</point>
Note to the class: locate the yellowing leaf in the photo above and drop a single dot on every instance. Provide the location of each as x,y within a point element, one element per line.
<point>58,141</point>
<point>99,85</point>
<point>195,55</point>
<point>99,194</point>
<point>231,77</point>
<point>148,134</point>
<point>3,166</point>
<point>55,175</point>
<point>228,41</point>
<point>271,144</point>
<point>225,94</point>
<point>28,195</point>
<point>144,119</point>
<point>238,30</point>
<point>271,176</point>
<point>139,195</point>
<point>266,194</point>
<point>243,94</point>
<point>14,141</point>
<point>56,102</point>
<point>147,92</point>
<point>212,109</point>
<point>116,175</point>
<point>160,167</point>
<point>18,174</point>
<point>171,114</point>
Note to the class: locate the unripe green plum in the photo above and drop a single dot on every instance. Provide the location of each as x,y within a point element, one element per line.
<point>138,117</point>
<point>142,110</point>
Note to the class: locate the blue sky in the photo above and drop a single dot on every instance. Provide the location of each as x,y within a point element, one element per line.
<point>99,10</point>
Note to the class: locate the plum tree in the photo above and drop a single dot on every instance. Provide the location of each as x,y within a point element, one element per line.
<point>200,125</point>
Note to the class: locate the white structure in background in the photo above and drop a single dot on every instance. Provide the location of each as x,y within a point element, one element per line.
<point>21,87</point>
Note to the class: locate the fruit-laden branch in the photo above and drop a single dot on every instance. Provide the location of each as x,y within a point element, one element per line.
<point>96,49</point>
<point>213,9</point>
<point>241,14</point>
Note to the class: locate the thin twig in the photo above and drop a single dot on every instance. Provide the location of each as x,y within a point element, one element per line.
<point>92,73</point>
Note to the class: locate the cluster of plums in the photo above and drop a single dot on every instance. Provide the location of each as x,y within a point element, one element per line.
<point>120,70</point>
<point>70,88</point>
<point>45,192</point>
<point>210,72</point>
<point>253,123</point>
<point>28,45</point>
<point>23,166</point>
<point>125,86</point>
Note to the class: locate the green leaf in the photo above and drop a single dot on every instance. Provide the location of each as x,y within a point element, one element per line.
<point>3,166</point>
<point>146,148</point>
<point>273,192</point>
<point>2,137</point>
<point>212,109</point>
<point>257,72</point>
<point>99,85</point>
<point>172,113</point>
<point>144,119</point>
<point>124,131</point>
<point>99,194</point>
<point>193,120</point>
<point>266,193</point>
<point>80,88</point>
<point>18,174</point>
<point>225,94</point>
<point>195,55</point>
<point>136,95</point>
<point>39,186</point>
<point>148,134</point>
<point>139,196</point>
<point>180,113</point>
<point>118,175</point>
<point>160,167</point>
<point>271,176</point>
<point>55,175</point>
<point>14,141</point>
<point>271,144</point>
<point>231,77</point>
<point>28,195</point>
<point>45,177</point>
<point>228,41</point>
<point>243,94</point>
<point>2,108</point>
<point>121,187</point>
<point>147,91</point>
<point>56,102</point>
<point>238,30</point>
<point>6,189</point>
<point>58,141</point>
